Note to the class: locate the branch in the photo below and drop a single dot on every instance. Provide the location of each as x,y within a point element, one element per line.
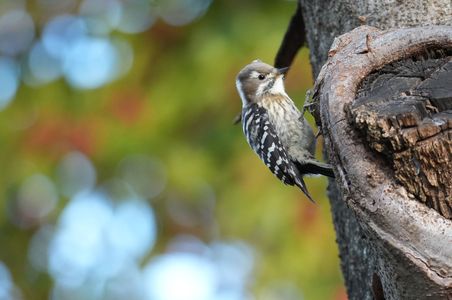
<point>293,40</point>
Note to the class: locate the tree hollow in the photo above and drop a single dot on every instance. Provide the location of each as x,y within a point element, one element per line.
<point>384,101</point>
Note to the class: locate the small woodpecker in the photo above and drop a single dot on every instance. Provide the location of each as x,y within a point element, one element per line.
<point>275,128</point>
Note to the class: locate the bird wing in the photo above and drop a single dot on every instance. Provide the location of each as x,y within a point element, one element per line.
<point>261,135</point>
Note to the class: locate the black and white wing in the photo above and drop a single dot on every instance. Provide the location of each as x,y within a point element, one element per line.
<point>262,137</point>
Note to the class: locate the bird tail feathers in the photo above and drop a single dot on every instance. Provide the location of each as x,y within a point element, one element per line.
<point>315,167</point>
<point>300,183</point>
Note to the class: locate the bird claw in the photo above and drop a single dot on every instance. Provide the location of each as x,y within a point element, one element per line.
<point>319,133</point>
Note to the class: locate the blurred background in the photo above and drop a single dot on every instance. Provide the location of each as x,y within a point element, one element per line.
<point>122,176</point>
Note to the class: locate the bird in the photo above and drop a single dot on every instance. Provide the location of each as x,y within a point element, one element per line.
<point>274,128</point>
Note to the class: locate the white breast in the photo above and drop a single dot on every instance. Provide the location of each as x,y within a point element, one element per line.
<point>278,87</point>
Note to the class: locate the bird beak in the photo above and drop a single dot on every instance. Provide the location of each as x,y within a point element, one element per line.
<point>282,71</point>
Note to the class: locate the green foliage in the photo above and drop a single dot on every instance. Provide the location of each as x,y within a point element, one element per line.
<point>177,104</point>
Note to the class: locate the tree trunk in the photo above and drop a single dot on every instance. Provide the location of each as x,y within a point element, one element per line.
<point>384,99</point>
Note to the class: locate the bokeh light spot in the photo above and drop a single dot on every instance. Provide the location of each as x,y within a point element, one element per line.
<point>6,284</point>
<point>75,173</point>
<point>77,244</point>
<point>146,176</point>
<point>61,33</point>
<point>43,66</point>
<point>182,12</point>
<point>90,63</point>
<point>133,228</point>
<point>91,290</point>
<point>16,32</point>
<point>12,5</point>
<point>8,290</point>
<point>36,198</point>
<point>125,52</point>
<point>180,276</point>
<point>126,284</point>
<point>137,16</point>
<point>235,263</point>
<point>39,247</point>
<point>9,79</point>
<point>101,15</point>
<point>51,8</point>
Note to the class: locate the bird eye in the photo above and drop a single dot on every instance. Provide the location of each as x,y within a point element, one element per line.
<point>261,77</point>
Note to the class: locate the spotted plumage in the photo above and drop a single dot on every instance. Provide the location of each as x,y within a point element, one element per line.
<point>275,128</point>
<point>262,137</point>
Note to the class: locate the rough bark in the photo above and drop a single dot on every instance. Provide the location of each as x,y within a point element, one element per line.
<point>404,246</point>
<point>327,19</point>
<point>392,246</point>
<point>404,111</point>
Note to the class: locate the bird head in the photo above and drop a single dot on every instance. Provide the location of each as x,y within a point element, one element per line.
<point>258,79</point>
